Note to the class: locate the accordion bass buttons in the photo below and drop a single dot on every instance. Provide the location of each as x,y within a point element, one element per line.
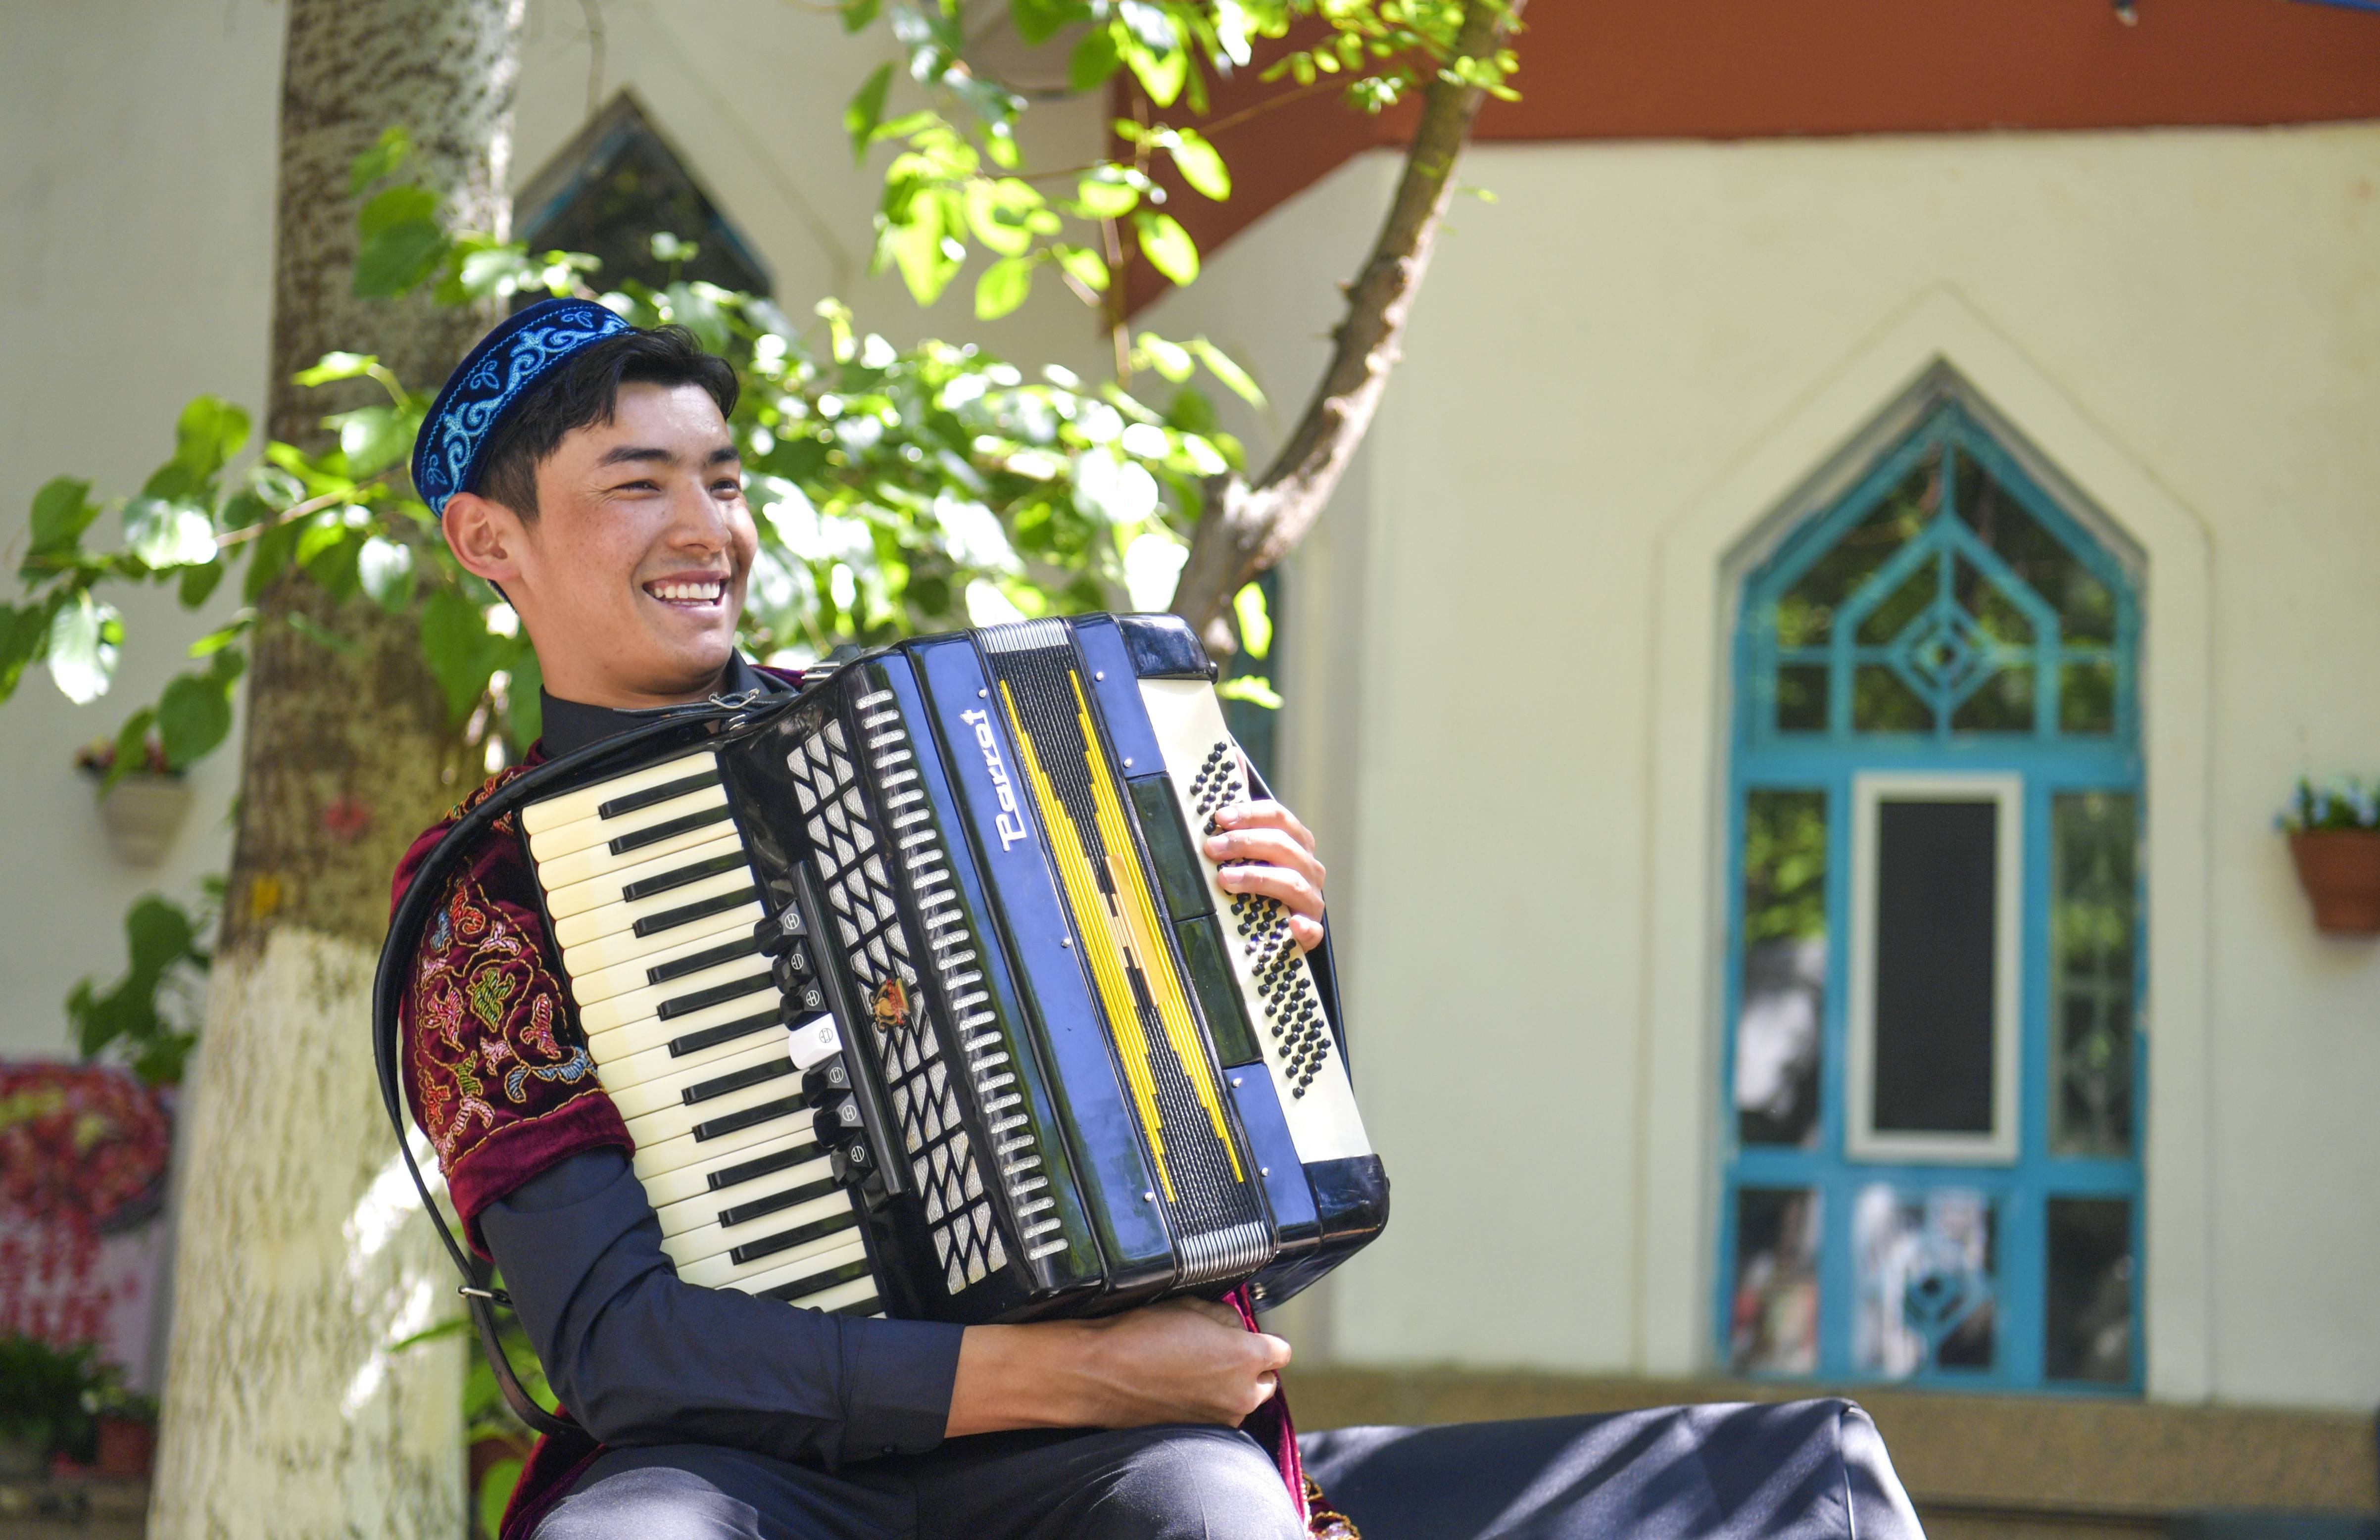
<point>836,1122</point>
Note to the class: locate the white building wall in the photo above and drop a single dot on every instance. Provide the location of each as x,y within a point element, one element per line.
<point>1624,331</point>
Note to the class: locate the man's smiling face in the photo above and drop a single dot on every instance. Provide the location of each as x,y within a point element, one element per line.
<point>631,576</point>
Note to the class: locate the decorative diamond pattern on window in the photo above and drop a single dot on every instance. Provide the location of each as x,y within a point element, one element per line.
<point>1944,596</point>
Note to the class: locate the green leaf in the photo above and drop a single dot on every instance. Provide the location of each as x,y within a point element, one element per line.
<point>385,568</point>
<point>1087,266</point>
<point>131,747</point>
<point>1235,379</point>
<point>865,112</point>
<point>1256,622</point>
<point>1167,246</point>
<point>856,15</point>
<point>193,716</point>
<point>1039,21</point>
<point>62,511</point>
<point>1168,359</point>
<point>496,1493</point>
<point>1094,59</point>
<point>85,638</point>
<point>372,438</point>
<point>200,581</point>
<point>455,642</point>
<point>23,634</point>
<point>1200,164</point>
<point>1161,75</point>
<point>380,160</point>
<point>165,534</point>
<point>215,641</point>
<point>1253,688</point>
<point>274,549</point>
<point>395,261</point>
<point>1002,287</point>
<point>208,434</point>
<point>393,207</point>
<point>1104,198</point>
<point>338,365</point>
<point>1001,213</point>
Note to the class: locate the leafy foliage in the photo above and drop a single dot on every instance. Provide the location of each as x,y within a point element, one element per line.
<point>2340,802</point>
<point>148,1017</point>
<point>957,180</point>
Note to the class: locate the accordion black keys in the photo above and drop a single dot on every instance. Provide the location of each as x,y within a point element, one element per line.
<point>920,995</point>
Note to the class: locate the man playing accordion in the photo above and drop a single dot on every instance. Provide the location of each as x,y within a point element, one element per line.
<point>587,469</point>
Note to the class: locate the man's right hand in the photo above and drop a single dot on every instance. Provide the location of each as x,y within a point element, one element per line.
<point>1184,1360</point>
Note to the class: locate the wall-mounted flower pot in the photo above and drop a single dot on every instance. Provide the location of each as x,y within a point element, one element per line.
<point>2340,869</point>
<point>143,814</point>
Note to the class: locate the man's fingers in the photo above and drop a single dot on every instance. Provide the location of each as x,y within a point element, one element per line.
<point>1301,896</point>
<point>1214,1310</point>
<point>1305,931</point>
<point>1271,847</point>
<point>1265,815</point>
<point>1276,1352</point>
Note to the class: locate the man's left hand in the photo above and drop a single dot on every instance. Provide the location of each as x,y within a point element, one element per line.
<point>1279,853</point>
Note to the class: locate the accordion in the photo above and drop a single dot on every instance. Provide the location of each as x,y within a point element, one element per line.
<point>920,996</point>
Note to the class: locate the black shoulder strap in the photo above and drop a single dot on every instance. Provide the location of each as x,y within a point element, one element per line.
<point>397,960</point>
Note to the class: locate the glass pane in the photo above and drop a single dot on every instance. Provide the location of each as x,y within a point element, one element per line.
<point>2086,696</point>
<point>1926,1260</point>
<point>1937,870</point>
<point>1773,1322</point>
<point>1882,703</point>
<point>1802,697</point>
<point>2086,608</point>
<point>1805,614</point>
<point>2003,705</point>
<point>1996,615</point>
<point>2092,925</point>
<point>2088,1334</point>
<point>1777,1029</point>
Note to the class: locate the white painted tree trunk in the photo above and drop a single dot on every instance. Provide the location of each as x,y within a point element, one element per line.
<point>303,1256</point>
<point>304,1259</point>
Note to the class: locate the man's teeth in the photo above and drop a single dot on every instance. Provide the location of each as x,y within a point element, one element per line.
<point>703,591</point>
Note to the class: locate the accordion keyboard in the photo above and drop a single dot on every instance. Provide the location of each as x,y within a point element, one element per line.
<point>654,906</point>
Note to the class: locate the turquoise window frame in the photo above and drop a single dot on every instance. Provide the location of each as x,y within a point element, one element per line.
<point>2049,762</point>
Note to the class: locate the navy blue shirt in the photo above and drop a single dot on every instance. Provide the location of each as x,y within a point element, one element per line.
<point>640,1358</point>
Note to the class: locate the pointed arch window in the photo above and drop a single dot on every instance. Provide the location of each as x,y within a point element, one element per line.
<point>1932,1163</point>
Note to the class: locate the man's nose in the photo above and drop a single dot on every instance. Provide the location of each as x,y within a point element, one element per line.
<point>696,518</point>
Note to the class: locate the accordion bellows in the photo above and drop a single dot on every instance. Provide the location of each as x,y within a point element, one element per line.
<point>920,995</point>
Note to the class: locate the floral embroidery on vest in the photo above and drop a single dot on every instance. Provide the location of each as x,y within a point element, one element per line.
<point>485,1006</point>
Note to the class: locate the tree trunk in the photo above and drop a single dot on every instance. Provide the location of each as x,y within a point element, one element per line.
<point>302,1258</point>
<point>1247,530</point>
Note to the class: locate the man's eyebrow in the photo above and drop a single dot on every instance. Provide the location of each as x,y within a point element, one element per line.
<point>722,455</point>
<point>628,454</point>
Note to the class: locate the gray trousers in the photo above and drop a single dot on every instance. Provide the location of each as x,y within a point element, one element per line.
<point>1134,1484</point>
<point>1797,1471</point>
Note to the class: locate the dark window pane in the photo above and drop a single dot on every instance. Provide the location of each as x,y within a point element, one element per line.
<point>1936,879</point>
<point>2003,705</point>
<point>1882,703</point>
<point>2092,925</point>
<point>2086,696</point>
<point>1805,614</point>
<point>1783,1004</point>
<point>1925,1261</point>
<point>1996,614</point>
<point>615,186</point>
<point>2088,1333</point>
<point>1802,697</point>
<point>1773,1321</point>
<point>2086,609</point>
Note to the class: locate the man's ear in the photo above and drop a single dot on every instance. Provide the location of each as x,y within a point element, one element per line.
<point>485,536</point>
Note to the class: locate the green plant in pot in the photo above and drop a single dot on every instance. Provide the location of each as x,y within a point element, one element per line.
<point>43,1405</point>
<point>2334,830</point>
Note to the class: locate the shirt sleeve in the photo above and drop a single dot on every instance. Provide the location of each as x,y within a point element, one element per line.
<point>641,1358</point>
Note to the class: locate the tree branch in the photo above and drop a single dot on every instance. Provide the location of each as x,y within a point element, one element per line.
<point>1246,529</point>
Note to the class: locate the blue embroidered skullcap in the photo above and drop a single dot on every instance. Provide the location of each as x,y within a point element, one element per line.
<point>527,347</point>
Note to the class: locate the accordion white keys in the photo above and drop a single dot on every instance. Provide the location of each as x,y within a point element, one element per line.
<point>918,994</point>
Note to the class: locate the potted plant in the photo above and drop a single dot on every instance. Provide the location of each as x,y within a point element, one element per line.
<point>2334,832</point>
<point>125,1431</point>
<point>42,1406</point>
<point>141,804</point>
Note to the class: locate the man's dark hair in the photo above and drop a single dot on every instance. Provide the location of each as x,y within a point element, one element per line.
<point>586,391</point>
